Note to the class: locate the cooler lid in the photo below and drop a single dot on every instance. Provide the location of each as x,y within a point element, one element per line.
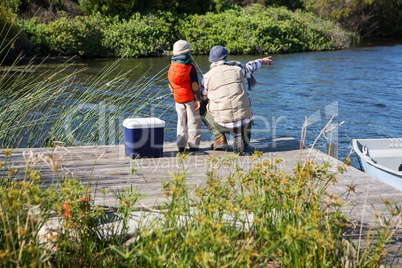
<point>150,122</point>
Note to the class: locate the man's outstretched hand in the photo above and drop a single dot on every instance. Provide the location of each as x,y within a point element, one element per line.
<point>267,60</point>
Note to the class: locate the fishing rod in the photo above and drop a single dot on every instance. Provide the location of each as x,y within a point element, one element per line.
<point>196,64</point>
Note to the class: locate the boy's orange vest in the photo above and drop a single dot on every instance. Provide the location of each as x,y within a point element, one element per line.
<point>179,78</point>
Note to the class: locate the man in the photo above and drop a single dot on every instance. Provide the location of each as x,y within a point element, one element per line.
<point>227,107</point>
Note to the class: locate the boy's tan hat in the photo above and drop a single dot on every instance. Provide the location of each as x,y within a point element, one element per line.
<point>181,47</point>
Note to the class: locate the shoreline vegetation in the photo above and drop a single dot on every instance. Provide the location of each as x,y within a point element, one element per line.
<point>252,30</point>
<point>148,28</point>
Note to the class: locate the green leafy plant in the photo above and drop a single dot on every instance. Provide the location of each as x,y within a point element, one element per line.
<point>259,31</point>
<point>254,30</point>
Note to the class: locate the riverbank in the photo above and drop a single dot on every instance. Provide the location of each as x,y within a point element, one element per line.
<point>255,30</point>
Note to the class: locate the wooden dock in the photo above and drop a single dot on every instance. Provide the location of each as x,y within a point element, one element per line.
<point>107,169</point>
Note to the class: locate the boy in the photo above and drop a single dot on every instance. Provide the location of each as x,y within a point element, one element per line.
<point>183,82</point>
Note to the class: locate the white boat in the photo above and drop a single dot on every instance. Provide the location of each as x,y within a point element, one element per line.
<point>381,158</point>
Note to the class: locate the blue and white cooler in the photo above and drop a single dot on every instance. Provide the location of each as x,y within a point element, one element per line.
<point>143,137</point>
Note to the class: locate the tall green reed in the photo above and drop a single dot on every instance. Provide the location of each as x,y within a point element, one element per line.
<point>40,107</point>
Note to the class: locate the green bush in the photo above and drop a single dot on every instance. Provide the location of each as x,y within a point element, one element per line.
<point>139,36</point>
<point>126,8</point>
<point>113,7</point>
<point>81,36</point>
<point>260,30</point>
<point>11,5</point>
<point>10,38</point>
<point>255,30</point>
<point>97,36</point>
<point>8,30</point>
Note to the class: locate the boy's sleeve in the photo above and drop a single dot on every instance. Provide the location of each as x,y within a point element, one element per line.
<point>194,83</point>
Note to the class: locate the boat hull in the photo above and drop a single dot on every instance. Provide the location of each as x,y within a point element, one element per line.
<point>381,159</point>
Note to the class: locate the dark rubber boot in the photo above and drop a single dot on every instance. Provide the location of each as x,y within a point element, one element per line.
<point>238,144</point>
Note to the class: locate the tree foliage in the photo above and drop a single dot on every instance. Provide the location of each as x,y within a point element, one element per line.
<point>367,17</point>
<point>126,8</point>
<point>290,4</point>
<point>21,6</point>
<point>8,30</point>
<point>114,7</point>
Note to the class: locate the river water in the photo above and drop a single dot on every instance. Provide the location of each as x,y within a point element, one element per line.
<point>360,88</point>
